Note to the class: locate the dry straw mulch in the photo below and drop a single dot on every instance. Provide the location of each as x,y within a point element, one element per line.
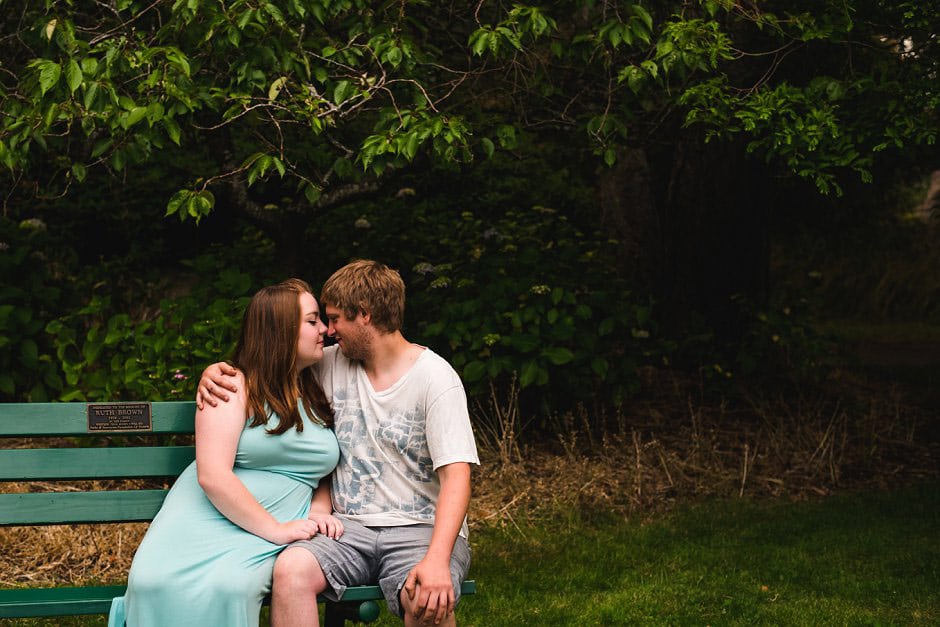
<point>637,464</point>
<point>662,451</point>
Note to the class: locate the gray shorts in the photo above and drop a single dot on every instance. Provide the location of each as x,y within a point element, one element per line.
<point>365,555</point>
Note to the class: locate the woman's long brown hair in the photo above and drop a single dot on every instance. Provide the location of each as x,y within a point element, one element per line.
<point>267,353</point>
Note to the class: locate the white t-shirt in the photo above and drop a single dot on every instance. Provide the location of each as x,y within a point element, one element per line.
<point>392,442</point>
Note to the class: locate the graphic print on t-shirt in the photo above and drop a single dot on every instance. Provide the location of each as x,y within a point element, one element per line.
<point>389,457</point>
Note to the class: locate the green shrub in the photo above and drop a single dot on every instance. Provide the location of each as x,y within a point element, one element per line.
<point>530,295</point>
<point>782,340</point>
<point>108,354</point>
<point>28,298</point>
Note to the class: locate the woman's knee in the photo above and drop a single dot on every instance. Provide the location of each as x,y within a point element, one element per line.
<point>297,570</point>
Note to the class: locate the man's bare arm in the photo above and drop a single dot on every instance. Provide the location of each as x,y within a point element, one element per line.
<point>428,585</point>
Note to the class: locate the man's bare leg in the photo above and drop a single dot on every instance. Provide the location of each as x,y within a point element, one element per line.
<point>298,580</point>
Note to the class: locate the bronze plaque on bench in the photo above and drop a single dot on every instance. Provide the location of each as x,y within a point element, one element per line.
<point>119,417</point>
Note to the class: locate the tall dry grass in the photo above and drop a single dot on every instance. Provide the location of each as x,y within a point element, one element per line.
<point>680,447</point>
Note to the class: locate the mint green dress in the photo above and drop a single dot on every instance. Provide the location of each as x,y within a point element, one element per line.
<point>194,566</point>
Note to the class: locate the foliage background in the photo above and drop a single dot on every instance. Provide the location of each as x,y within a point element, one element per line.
<point>581,195</point>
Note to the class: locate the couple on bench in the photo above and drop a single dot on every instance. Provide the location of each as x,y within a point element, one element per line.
<point>317,468</point>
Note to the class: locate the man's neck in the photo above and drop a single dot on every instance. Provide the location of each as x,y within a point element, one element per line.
<point>392,356</point>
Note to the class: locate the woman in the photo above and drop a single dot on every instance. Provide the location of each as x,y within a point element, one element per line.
<point>257,482</point>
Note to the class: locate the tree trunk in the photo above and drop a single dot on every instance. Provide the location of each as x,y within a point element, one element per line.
<point>693,230</point>
<point>715,235</point>
<point>627,212</point>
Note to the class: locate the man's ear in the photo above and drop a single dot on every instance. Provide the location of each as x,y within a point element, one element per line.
<point>366,316</point>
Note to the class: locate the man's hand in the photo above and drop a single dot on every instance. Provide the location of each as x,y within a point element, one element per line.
<point>430,592</point>
<point>215,380</point>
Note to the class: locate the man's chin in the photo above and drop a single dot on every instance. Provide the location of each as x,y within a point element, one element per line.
<point>348,352</point>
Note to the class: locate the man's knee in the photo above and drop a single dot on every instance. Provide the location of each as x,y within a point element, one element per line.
<point>297,571</point>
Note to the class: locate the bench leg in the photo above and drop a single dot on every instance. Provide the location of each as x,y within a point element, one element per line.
<point>337,614</point>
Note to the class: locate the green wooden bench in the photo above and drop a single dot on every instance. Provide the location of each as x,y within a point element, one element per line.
<point>87,426</point>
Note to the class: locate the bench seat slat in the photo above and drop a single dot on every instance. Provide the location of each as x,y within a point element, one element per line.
<point>94,463</point>
<point>22,602</point>
<point>64,419</point>
<point>57,508</point>
<point>25,602</point>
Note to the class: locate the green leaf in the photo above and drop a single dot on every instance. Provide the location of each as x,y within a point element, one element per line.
<point>91,90</point>
<point>78,171</point>
<point>274,12</point>
<point>557,355</point>
<point>394,56</point>
<point>610,157</point>
<point>49,73</point>
<point>488,146</point>
<point>174,204</point>
<point>411,146</point>
<point>644,15</point>
<point>530,374</point>
<point>48,118</point>
<point>480,41</point>
<point>172,130</point>
<point>276,87</point>
<point>474,371</point>
<point>101,147</point>
<point>342,91</point>
<point>134,116</point>
<point>199,205</point>
<point>259,168</point>
<point>73,75</point>
<point>118,160</point>
<point>29,352</point>
<point>155,113</point>
<point>524,342</point>
<point>312,193</point>
<point>507,136</point>
<point>179,60</point>
<point>234,36</point>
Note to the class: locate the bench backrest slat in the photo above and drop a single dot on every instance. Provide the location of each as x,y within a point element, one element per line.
<point>93,463</point>
<point>48,419</point>
<point>57,508</point>
<point>93,449</point>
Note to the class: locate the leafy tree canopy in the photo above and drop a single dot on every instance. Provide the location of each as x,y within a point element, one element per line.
<point>297,104</point>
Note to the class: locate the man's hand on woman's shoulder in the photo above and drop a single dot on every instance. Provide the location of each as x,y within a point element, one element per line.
<point>216,381</point>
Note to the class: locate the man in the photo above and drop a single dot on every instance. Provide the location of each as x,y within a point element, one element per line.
<point>402,486</point>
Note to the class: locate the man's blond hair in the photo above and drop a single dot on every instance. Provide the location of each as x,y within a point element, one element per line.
<point>367,286</point>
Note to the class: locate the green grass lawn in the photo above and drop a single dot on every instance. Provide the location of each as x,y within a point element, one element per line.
<point>861,559</point>
<point>866,559</point>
